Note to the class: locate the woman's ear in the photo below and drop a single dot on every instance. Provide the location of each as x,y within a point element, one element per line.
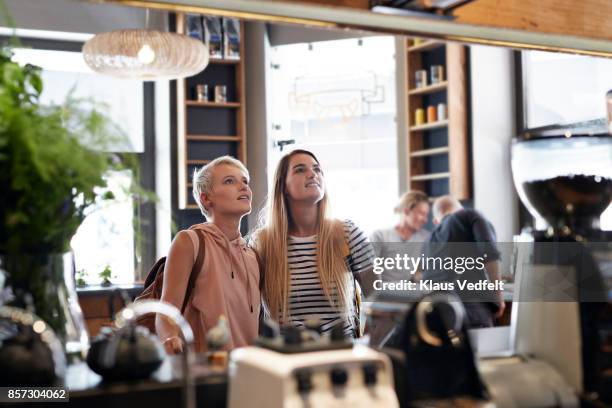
<point>205,200</point>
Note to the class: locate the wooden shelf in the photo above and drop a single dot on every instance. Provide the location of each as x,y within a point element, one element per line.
<point>207,129</point>
<point>214,104</point>
<point>443,169</point>
<point>197,162</point>
<point>430,176</point>
<point>429,89</point>
<point>426,46</point>
<point>429,126</point>
<point>429,152</point>
<point>224,61</point>
<point>213,138</point>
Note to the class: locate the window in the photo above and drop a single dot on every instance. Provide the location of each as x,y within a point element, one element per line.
<point>106,237</point>
<point>561,89</point>
<point>337,99</point>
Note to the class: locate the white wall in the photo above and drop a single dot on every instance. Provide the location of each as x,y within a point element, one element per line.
<point>493,126</point>
<point>401,119</point>
<point>163,214</point>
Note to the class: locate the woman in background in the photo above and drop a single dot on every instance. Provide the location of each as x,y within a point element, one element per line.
<point>309,261</point>
<point>407,236</point>
<point>404,239</point>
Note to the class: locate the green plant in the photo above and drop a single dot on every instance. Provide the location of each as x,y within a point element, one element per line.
<point>52,162</point>
<point>80,278</point>
<point>106,275</point>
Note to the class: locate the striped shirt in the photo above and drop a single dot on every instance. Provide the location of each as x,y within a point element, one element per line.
<point>306,296</point>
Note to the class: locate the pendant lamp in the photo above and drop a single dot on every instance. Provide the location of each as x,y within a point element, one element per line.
<point>145,54</point>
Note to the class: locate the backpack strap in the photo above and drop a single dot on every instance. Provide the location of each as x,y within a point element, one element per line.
<point>197,266</point>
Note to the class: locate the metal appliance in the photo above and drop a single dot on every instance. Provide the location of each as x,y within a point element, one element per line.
<point>320,372</point>
<point>563,316</point>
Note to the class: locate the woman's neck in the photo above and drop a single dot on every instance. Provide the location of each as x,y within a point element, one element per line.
<point>304,219</point>
<point>229,225</point>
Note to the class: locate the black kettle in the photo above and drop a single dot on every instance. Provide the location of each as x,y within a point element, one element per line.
<point>30,354</point>
<point>131,353</point>
<point>128,353</point>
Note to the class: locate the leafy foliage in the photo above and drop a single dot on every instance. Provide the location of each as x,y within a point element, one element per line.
<point>52,162</point>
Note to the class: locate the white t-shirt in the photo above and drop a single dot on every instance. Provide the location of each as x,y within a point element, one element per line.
<point>387,243</point>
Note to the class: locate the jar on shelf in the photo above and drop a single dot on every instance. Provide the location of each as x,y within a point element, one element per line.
<point>419,116</point>
<point>420,79</point>
<point>436,73</point>
<point>431,114</point>
<point>202,92</point>
<point>441,111</point>
<point>220,94</point>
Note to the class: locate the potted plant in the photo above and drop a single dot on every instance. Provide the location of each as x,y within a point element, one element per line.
<point>52,169</point>
<point>106,275</point>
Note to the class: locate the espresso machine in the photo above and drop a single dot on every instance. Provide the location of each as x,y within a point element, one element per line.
<point>302,368</point>
<point>562,314</point>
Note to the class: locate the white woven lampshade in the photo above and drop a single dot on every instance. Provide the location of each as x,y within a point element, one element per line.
<point>145,54</point>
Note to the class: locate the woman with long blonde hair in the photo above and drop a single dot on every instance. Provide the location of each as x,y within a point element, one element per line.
<point>310,262</point>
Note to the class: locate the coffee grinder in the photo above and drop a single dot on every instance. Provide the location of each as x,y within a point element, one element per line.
<point>562,314</point>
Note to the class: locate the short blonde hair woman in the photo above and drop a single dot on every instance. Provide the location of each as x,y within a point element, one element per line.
<point>310,261</point>
<point>227,283</point>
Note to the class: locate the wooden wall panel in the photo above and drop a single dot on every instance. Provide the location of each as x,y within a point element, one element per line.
<point>584,18</point>
<point>456,64</point>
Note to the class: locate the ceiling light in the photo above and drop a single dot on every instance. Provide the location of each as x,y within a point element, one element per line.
<point>145,54</point>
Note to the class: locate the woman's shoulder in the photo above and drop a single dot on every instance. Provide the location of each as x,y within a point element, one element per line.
<point>350,228</point>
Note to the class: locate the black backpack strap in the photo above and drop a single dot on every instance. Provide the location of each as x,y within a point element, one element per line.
<point>152,275</point>
<point>197,266</point>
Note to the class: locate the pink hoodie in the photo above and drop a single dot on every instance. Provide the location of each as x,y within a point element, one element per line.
<point>228,285</point>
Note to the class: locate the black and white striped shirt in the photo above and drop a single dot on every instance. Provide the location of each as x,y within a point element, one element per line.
<point>306,296</point>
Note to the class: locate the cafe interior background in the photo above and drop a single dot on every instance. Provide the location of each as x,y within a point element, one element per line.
<point>326,90</point>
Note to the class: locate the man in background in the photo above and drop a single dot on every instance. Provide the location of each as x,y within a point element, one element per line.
<point>462,233</point>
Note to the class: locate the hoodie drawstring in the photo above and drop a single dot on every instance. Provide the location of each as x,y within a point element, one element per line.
<point>241,250</point>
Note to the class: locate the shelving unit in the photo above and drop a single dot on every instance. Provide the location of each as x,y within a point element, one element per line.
<point>438,151</point>
<point>207,129</point>
<point>429,89</point>
<point>429,126</point>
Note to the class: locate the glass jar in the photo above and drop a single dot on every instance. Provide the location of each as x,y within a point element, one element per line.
<point>44,284</point>
<point>563,174</point>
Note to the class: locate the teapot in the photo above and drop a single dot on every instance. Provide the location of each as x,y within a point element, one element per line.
<point>131,352</point>
<point>30,353</point>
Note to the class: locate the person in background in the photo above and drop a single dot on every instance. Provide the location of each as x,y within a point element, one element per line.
<point>462,232</point>
<point>227,286</point>
<point>406,237</point>
<point>310,262</point>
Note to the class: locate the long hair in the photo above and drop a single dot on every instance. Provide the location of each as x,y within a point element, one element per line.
<point>271,244</point>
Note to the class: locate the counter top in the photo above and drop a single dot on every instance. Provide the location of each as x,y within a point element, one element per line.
<point>86,388</point>
<point>132,289</point>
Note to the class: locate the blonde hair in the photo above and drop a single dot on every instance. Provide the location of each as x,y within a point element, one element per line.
<point>411,199</point>
<point>271,245</point>
<point>203,181</point>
